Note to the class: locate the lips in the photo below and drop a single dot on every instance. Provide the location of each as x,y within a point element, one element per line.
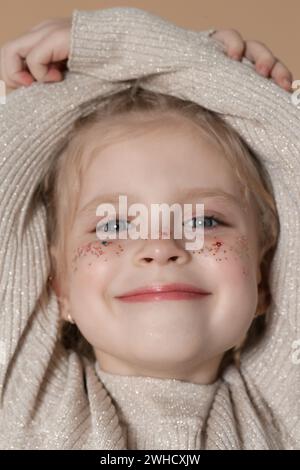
<point>154,292</point>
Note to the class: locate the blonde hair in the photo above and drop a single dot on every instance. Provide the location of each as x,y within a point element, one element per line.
<point>121,114</point>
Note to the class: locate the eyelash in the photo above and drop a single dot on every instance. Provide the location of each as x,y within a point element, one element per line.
<point>212,217</point>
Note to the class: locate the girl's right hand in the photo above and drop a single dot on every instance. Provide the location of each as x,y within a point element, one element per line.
<point>39,55</point>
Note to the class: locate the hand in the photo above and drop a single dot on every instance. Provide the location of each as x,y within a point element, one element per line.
<point>42,54</point>
<point>266,63</point>
<point>39,55</point>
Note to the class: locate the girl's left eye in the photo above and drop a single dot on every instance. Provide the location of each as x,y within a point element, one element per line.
<point>201,223</point>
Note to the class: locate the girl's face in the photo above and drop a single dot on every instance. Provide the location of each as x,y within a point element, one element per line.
<point>183,339</point>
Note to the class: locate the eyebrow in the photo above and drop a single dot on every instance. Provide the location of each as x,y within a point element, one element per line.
<point>189,193</point>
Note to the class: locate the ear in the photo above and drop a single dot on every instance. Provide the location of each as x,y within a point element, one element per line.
<point>258,274</point>
<point>54,284</point>
<point>64,308</point>
<point>64,304</point>
<point>58,289</point>
<point>261,253</point>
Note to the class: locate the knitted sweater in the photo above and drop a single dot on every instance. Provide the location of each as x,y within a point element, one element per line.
<point>50,397</point>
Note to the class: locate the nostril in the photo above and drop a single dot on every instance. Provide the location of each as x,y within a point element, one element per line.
<point>174,258</point>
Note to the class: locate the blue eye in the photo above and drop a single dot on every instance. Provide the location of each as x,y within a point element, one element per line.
<point>113,224</point>
<point>200,223</point>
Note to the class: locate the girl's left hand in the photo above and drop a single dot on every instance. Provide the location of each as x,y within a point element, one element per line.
<point>265,62</point>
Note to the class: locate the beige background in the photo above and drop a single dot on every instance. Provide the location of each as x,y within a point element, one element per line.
<point>276,23</point>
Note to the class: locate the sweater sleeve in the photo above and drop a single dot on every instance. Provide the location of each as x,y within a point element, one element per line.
<point>25,148</point>
<point>129,42</point>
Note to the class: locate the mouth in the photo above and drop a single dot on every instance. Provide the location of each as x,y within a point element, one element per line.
<point>160,292</point>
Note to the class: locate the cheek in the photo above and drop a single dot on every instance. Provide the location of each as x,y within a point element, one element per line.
<point>231,271</point>
<point>93,266</point>
<point>228,257</point>
<point>94,256</point>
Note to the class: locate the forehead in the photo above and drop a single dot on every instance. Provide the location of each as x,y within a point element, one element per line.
<point>161,159</point>
<point>106,139</point>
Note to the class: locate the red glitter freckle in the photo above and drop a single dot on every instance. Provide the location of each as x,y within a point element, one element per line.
<point>85,250</point>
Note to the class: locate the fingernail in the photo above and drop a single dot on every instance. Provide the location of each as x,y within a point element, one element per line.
<point>264,69</point>
<point>27,80</point>
<point>287,83</point>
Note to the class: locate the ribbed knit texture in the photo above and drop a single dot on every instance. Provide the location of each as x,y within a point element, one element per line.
<point>52,398</point>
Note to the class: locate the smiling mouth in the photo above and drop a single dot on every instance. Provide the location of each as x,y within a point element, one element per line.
<point>159,296</point>
<point>158,291</point>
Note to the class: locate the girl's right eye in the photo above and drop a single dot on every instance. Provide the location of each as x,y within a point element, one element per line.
<point>113,224</point>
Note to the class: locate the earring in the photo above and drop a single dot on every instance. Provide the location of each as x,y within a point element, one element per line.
<point>70,319</point>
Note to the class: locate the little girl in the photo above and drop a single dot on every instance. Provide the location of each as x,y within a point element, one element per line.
<point>203,357</point>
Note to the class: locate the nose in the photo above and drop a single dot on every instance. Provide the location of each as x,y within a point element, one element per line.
<point>161,251</point>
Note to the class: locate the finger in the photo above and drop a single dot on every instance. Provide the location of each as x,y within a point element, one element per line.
<point>282,76</point>
<point>51,22</point>
<point>261,56</point>
<point>25,78</point>
<point>13,67</point>
<point>54,74</point>
<point>53,48</point>
<point>15,64</point>
<point>233,42</point>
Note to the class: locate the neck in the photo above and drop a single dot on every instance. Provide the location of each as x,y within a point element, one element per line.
<point>204,373</point>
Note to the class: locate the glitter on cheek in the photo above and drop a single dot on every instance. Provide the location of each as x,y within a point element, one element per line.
<point>221,252</point>
<point>98,249</point>
<point>214,249</point>
<point>242,250</point>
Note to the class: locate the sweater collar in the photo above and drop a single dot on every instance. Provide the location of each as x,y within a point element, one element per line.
<point>156,413</point>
